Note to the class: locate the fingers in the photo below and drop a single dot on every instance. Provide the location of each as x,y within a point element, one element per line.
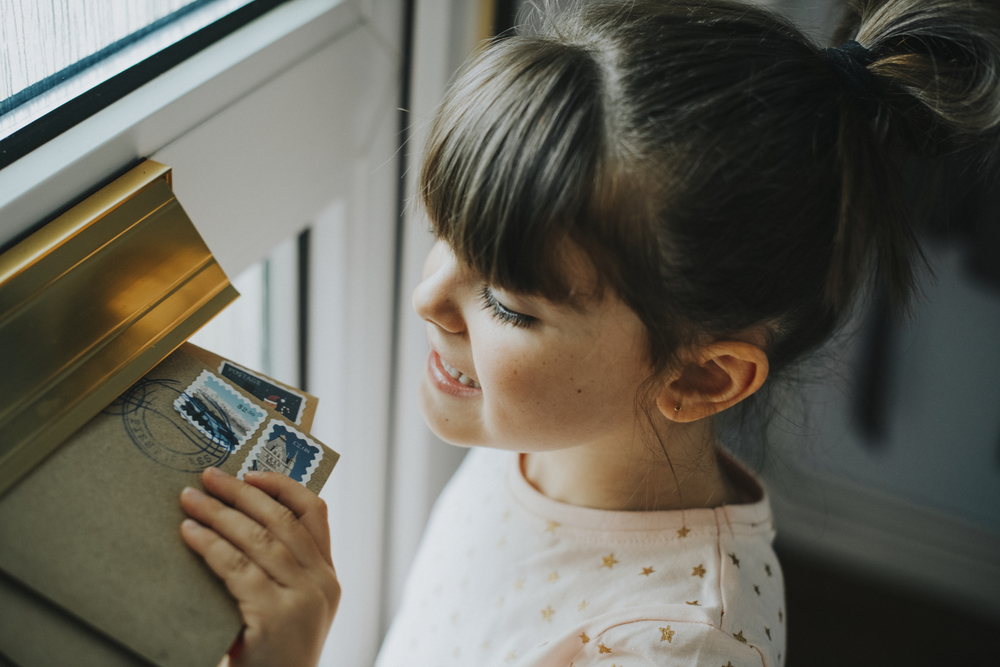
<point>268,540</point>
<point>253,541</point>
<point>294,518</point>
<point>307,506</point>
<point>240,574</point>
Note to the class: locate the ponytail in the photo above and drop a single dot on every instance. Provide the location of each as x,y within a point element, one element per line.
<point>940,62</point>
<point>936,67</point>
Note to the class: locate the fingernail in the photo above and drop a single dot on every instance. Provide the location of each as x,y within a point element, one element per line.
<point>191,492</point>
<point>253,474</point>
<point>190,525</point>
<point>212,470</point>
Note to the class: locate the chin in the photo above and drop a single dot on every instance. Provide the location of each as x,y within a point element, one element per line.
<point>450,430</point>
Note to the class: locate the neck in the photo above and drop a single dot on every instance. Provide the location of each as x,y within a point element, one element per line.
<point>683,474</point>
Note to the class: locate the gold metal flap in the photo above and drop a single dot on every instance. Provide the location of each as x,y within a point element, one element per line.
<point>92,301</point>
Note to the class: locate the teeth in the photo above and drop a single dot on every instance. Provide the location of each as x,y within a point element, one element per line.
<point>453,372</point>
<point>459,375</point>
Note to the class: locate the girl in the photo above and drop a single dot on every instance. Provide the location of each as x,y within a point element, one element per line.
<point>643,212</point>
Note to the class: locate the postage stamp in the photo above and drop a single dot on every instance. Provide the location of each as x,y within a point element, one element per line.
<point>219,412</point>
<point>291,404</point>
<point>283,449</point>
<point>159,433</point>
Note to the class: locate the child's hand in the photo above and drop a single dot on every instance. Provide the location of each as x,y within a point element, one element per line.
<point>269,541</point>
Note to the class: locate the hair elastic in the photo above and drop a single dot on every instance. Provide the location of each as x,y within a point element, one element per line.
<point>851,60</point>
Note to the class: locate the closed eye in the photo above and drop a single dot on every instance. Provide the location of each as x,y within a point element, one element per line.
<point>502,312</point>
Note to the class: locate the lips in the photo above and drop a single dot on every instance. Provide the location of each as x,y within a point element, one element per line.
<point>458,375</point>
<point>443,375</point>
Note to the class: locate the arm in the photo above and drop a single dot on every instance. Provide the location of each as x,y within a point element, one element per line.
<point>268,539</point>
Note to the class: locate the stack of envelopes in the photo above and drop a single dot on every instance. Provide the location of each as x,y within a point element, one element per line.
<point>93,570</point>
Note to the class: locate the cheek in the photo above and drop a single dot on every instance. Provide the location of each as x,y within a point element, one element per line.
<point>557,399</point>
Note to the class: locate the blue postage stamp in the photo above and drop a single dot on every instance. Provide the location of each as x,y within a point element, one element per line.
<point>290,404</point>
<point>283,449</point>
<point>219,412</point>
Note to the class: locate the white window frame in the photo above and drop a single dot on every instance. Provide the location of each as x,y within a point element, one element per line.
<point>291,121</point>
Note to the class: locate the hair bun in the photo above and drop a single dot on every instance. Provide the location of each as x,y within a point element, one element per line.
<point>940,63</point>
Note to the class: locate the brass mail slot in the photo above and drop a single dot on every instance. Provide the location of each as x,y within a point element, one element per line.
<point>90,303</point>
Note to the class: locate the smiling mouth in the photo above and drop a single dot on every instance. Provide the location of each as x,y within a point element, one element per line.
<point>459,375</point>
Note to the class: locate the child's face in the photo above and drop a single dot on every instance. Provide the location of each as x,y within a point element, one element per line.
<point>566,378</point>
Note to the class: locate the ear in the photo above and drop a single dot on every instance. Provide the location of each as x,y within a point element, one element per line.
<point>719,376</point>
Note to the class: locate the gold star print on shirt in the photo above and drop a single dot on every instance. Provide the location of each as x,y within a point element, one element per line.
<point>548,583</point>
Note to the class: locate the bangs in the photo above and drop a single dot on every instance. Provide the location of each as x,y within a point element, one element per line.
<point>513,163</point>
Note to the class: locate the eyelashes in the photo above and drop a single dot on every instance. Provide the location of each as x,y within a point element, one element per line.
<point>501,312</point>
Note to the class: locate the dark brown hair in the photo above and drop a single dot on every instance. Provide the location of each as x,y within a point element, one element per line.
<point>720,171</point>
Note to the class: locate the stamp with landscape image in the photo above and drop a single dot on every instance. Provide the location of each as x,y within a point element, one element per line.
<point>219,411</point>
<point>284,450</point>
<point>290,404</point>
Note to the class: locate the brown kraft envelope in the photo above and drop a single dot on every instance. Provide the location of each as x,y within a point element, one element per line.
<point>94,530</point>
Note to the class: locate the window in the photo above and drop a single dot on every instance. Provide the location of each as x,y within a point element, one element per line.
<point>57,51</point>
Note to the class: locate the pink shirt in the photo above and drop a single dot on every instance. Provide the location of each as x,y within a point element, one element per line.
<point>508,576</point>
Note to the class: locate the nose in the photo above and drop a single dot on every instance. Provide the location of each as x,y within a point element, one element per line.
<point>434,299</point>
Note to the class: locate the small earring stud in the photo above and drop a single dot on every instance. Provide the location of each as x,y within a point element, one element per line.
<point>677,408</point>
